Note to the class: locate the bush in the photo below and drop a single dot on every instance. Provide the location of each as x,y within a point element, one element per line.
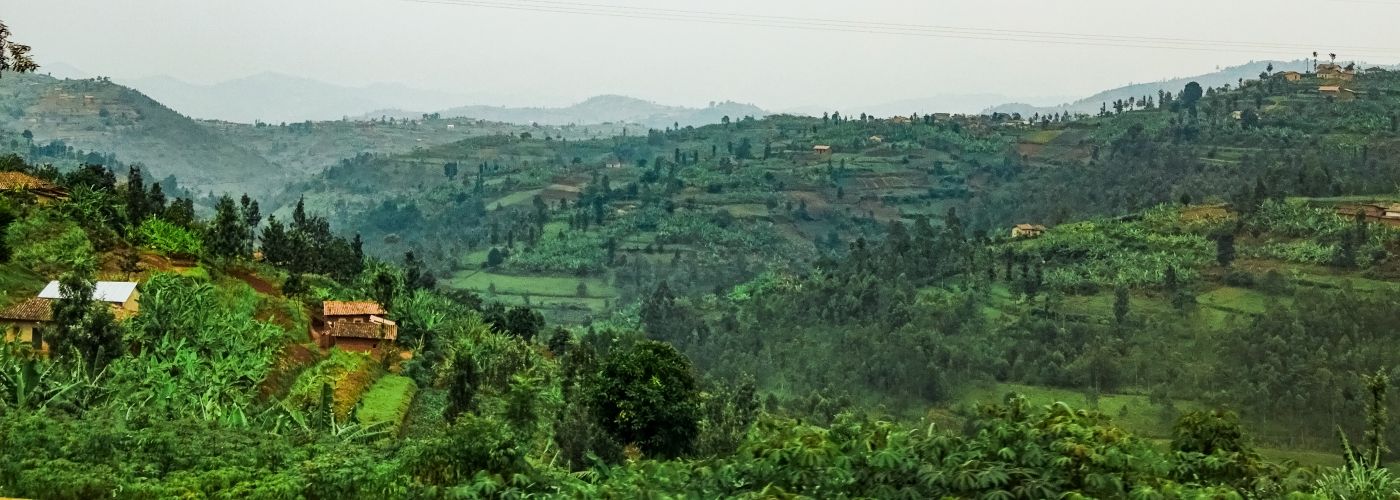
<point>1242,279</point>
<point>170,239</point>
<point>49,245</point>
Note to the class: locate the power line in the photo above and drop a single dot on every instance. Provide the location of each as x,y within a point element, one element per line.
<point>926,27</point>
<point>896,29</point>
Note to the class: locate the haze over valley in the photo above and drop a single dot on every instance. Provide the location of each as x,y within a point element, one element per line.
<point>818,249</point>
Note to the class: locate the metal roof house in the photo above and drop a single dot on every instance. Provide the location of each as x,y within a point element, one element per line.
<point>121,295</point>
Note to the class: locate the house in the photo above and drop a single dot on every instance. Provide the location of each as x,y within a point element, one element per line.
<point>1291,76</point>
<point>1027,231</point>
<point>120,295</point>
<point>43,191</point>
<point>822,149</point>
<point>22,322</point>
<point>356,326</point>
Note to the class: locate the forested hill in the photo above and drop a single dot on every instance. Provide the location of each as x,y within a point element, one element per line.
<point>727,199</point>
<point>71,122</point>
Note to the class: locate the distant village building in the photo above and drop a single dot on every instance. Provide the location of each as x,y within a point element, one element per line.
<point>875,139</point>
<point>822,149</point>
<point>42,190</point>
<point>1383,213</point>
<point>356,326</point>
<point>1331,71</point>
<point>1291,76</point>
<point>1027,231</point>
<point>122,296</point>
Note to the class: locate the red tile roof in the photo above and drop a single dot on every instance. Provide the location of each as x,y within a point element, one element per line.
<point>34,309</point>
<point>363,330</point>
<point>337,308</point>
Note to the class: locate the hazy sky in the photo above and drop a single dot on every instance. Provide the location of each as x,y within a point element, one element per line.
<point>531,57</point>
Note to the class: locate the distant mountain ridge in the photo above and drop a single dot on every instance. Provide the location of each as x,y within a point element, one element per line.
<point>1091,104</point>
<point>611,109</point>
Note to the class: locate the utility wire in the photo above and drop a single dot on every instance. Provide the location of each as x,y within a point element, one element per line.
<point>897,29</point>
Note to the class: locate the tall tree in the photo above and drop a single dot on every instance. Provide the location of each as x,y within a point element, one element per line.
<point>137,200</point>
<point>227,234</point>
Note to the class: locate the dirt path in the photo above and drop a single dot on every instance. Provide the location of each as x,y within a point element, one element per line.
<point>261,285</point>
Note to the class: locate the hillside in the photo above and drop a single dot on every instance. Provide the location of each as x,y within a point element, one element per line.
<point>97,115</point>
<point>123,126</point>
<point>271,97</point>
<point>611,109</point>
<point>740,309</point>
<point>624,212</point>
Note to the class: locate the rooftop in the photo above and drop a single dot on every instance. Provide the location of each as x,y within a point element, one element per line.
<point>340,308</point>
<point>363,330</point>
<point>106,291</point>
<point>34,309</point>
<point>21,180</point>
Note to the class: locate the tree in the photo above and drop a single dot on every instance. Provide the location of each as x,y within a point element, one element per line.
<point>1191,95</point>
<point>1225,249</point>
<point>494,258</point>
<point>136,197</point>
<point>227,234</point>
<point>523,322</point>
<point>1120,304</point>
<point>461,387</point>
<point>276,246</point>
<point>416,277</point>
<point>84,327</point>
<point>646,395</point>
<point>14,56</point>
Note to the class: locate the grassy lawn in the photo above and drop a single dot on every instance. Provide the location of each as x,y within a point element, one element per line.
<point>1237,300</point>
<point>535,286</point>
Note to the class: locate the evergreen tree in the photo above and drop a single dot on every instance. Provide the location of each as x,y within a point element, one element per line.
<point>1225,249</point>
<point>136,198</point>
<point>228,233</point>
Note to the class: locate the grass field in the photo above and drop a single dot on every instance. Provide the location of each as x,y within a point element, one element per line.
<point>535,286</point>
<point>388,400</point>
<point>1236,300</point>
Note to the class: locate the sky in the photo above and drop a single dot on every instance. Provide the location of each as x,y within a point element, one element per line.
<point>532,54</point>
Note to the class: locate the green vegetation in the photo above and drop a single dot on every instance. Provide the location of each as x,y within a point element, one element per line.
<point>388,400</point>
<point>763,320</point>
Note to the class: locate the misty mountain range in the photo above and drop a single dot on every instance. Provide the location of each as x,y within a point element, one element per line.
<point>273,98</point>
